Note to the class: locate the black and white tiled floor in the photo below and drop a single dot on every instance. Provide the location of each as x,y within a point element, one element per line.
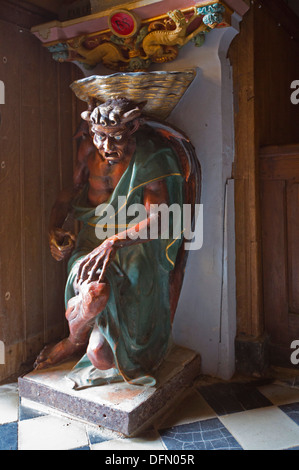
<point>211,416</point>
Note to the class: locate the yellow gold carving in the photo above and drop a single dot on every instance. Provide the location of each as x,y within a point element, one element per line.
<point>154,43</point>
<point>106,52</point>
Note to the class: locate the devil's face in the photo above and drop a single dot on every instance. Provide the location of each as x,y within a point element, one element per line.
<point>111,142</point>
<point>112,125</point>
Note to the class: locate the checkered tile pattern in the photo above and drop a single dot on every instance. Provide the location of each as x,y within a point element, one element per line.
<point>212,416</point>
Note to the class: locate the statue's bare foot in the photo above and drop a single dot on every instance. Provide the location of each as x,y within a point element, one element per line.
<point>56,354</point>
<point>81,313</point>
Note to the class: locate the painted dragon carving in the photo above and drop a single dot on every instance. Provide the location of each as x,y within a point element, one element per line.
<point>107,53</point>
<point>162,45</point>
<point>158,42</point>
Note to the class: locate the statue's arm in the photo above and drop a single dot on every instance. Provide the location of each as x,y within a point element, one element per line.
<point>62,241</point>
<point>154,193</point>
<point>63,204</point>
<point>100,257</point>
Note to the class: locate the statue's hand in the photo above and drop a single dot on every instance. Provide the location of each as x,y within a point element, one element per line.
<point>99,258</point>
<point>62,243</point>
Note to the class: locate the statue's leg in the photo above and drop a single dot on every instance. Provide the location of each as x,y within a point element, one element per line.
<point>82,310</point>
<point>81,313</point>
<point>99,352</point>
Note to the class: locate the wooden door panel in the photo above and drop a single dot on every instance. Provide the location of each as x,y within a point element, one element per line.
<point>274,255</point>
<point>293,245</point>
<point>279,171</point>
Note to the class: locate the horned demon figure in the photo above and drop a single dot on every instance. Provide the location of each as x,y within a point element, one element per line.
<point>122,290</point>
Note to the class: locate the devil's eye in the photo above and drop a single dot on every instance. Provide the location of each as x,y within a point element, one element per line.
<point>99,137</point>
<point>118,137</point>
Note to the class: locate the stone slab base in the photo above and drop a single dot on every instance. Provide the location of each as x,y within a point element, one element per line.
<point>120,407</point>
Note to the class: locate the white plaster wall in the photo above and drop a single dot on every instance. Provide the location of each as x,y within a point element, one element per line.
<point>205,319</point>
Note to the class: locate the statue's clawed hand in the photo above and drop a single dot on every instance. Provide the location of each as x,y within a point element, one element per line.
<point>98,259</point>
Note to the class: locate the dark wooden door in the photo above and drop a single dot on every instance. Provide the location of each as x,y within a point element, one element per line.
<point>279,170</point>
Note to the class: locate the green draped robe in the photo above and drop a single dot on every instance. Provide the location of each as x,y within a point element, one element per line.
<point>136,320</point>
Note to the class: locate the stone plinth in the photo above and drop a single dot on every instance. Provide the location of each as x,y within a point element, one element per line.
<point>120,406</point>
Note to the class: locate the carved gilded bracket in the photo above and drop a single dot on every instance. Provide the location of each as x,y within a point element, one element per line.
<point>130,43</point>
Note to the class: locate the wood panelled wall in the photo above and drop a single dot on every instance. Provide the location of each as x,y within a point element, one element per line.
<point>276,66</point>
<point>265,62</point>
<point>38,121</point>
<point>248,273</point>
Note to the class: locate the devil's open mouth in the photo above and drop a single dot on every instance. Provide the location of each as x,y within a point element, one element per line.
<point>112,156</point>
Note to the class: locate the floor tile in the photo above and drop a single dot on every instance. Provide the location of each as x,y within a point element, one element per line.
<point>279,394</point>
<point>192,407</point>
<point>9,387</point>
<point>210,434</point>
<point>95,435</point>
<point>292,410</point>
<point>82,448</point>
<point>28,413</point>
<point>227,398</point>
<point>9,402</point>
<point>147,441</point>
<point>51,433</point>
<point>225,415</point>
<point>262,429</point>
<point>9,436</point>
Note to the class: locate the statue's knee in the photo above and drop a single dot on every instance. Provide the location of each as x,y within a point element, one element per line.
<point>99,352</point>
<point>100,357</point>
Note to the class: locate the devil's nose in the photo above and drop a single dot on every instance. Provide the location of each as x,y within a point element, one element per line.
<point>108,144</point>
